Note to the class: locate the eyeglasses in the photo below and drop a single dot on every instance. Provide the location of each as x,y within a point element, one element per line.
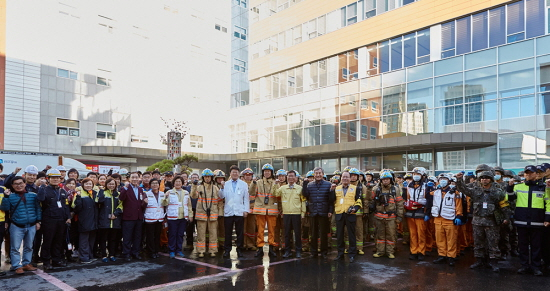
<point>18,184</point>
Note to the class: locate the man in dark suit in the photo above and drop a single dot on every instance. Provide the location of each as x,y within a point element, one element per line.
<point>134,202</point>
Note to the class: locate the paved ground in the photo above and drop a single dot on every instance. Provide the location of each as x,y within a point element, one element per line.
<point>192,273</point>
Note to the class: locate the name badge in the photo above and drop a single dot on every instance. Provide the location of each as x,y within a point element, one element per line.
<point>274,203</point>
<point>59,204</point>
<point>341,200</point>
<point>539,195</point>
<point>484,205</point>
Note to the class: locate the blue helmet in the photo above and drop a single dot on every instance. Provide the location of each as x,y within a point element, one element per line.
<point>268,167</point>
<point>354,171</point>
<point>207,172</point>
<point>310,174</point>
<point>281,172</point>
<point>385,174</point>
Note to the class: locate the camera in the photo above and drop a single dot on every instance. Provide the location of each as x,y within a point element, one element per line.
<point>266,200</point>
<point>195,182</point>
<point>351,209</point>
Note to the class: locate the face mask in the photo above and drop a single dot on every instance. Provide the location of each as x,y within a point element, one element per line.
<point>523,178</point>
<point>452,186</point>
<point>417,178</point>
<point>497,177</point>
<point>506,179</point>
<point>443,183</point>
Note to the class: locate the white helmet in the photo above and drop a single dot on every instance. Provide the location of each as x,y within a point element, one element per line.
<point>61,168</point>
<point>123,171</point>
<point>419,170</point>
<point>448,176</point>
<point>32,169</point>
<point>53,173</point>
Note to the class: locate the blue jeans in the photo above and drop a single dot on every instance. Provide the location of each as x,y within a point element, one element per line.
<point>18,235</point>
<point>176,231</point>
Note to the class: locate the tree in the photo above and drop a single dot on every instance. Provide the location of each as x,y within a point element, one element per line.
<point>163,166</point>
<point>185,161</point>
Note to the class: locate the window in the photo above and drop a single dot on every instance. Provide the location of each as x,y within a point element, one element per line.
<point>241,3</point>
<point>67,74</point>
<point>68,127</point>
<point>374,106</point>
<point>480,31</point>
<point>140,139</point>
<point>423,46</point>
<point>497,26</point>
<point>106,131</point>
<point>364,132</point>
<point>349,14</point>
<point>463,35</point>
<point>196,141</point>
<point>373,134</point>
<point>239,66</point>
<point>240,32</point>
<point>448,39</point>
<point>252,147</point>
<point>103,81</point>
<point>220,28</point>
<point>370,8</point>
<point>515,22</point>
<point>312,28</point>
<point>297,34</point>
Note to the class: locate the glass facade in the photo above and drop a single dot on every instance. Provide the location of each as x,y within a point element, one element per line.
<point>240,91</point>
<point>491,74</point>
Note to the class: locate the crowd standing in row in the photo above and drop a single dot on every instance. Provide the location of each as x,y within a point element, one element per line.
<point>57,218</point>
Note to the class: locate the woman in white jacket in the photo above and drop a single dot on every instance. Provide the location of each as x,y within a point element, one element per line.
<point>178,212</point>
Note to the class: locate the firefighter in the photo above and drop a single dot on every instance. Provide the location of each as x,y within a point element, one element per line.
<point>531,216</point>
<point>415,205</point>
<point>488,204</point>
<point>207,214</point>
<point>219,176</point>
<point>446,206</point>
<point>369,220</point>
<point>266,209</point>
<point>354,180</point>
<point>250,220</point>
<point>386,204</point>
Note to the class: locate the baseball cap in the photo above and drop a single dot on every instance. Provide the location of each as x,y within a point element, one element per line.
<point>540,169</point>
<point>169,173</point>
<point>530,168</point>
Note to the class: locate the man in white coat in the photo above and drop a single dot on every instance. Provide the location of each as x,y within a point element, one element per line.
<point>237,206</point>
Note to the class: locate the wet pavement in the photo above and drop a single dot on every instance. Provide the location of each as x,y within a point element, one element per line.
<point>249,273</point>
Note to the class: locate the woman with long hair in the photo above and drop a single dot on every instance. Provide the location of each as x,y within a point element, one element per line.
<point>110,210</point>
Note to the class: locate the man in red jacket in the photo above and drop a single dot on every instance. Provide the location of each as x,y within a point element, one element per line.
<point>134,202</point>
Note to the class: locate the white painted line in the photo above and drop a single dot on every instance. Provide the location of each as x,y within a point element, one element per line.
<point>54,281</point>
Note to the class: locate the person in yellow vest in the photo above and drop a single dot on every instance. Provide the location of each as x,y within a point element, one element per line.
<point>354,180</point>
<point>266,209</point>
<point>446,206</point>
<point>279,226</point>
<point>207,213</point>
<point>250,220</point>
<point>347,201</point>
<point>219,176</point>
<point>387,205</point>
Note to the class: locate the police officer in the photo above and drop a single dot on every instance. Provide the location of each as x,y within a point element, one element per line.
<point>488,200</point>
<point>55,216</point>
<point>532,214</point>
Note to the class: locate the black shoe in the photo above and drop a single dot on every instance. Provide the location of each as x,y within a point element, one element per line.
<point>271,252</point>
<point>239,253</point>
<point>59,264</point>
<point>226,254</point>
<point>494,265</point>
<point>2,273</point>
<point>47,267</point>
<point>452,261</point>
<point>128,258</point>
<point>440,260</point>
<point>287,254</point>
<point>298,254</point>
<point>351,259</point>
<point>523,270</point>
<point>339,257</point>
<point>413,257</point>
<point>420,257</point>
<point>479,263</point>
<point>138,257</point>
<point>514,253</point>
<point>259,252</point>
<point>537,272</point>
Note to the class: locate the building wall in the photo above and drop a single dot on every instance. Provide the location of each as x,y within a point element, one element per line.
<point>357,83</point>
<point>158,61</point>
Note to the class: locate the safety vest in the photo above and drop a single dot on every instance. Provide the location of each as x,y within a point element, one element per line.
<point>417,194</point>
<point>444,203</point>
<point>154,211</point>
<point>343,202</point>
<point>174,204</point>
<point>532,206</point>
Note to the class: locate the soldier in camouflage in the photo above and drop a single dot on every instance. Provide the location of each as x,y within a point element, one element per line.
<point>490,209</point>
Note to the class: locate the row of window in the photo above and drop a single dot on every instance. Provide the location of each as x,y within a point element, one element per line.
<point>339,18</point>
<point>72,128</point>
<point>63,73</point>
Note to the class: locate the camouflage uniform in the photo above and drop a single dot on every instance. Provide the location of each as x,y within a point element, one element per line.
<point>486,221</point>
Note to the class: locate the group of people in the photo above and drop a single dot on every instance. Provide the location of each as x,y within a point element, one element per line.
<point>56,217</point>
